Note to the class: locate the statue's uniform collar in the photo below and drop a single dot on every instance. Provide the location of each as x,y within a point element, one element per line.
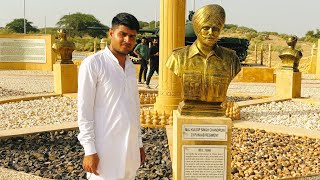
<point>194,50</point>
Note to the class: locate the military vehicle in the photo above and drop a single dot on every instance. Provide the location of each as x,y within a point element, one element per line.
<point>240,45</point>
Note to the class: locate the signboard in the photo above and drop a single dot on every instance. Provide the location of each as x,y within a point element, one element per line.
<point>78,56</point>
<point>204,132</point>
<point>204,162</point>
<point>22,50</point>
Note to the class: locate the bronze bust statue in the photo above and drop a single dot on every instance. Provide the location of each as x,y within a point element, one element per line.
<point>205,68</point>
<point>63,48</point>
<point>289,56</point>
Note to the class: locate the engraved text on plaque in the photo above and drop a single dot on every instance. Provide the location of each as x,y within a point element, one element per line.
<point>204,162</point>
<point>22,50</point>
<point>204,132</point>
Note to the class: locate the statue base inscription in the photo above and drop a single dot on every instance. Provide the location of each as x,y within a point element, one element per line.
<point>201,147</point>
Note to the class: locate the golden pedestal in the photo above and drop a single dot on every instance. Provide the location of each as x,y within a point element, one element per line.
<point>201,147</point>
<point>65,78</point>
<point>255,74</point>
<point>288,84</point>
<point>313,65</point>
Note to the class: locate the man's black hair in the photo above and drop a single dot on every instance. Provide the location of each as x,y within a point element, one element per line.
<point>126,19</point>
<point>144,38</point>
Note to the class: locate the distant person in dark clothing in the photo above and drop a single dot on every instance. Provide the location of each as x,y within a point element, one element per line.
<point>154,60</point>
<point>141,50</point>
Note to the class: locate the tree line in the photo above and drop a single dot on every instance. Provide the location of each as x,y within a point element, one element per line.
<point>78,24</point>
<point>86,30</point>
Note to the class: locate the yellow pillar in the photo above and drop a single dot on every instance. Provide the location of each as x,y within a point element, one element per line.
<point>172,30</point>
<point>312,69</point>
<point>318,61</point>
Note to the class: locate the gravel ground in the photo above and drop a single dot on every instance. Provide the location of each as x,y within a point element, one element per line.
<point>267,89</point>
<point>58,155</point>
<point>25,81</point>
<point>5,93</point>
<point>288,113</point>
<point>309,88</point>
<point>255,155</point>
<point>54,110</point>
<point>25,73</point>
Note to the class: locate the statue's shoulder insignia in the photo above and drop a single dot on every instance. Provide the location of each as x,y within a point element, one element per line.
<point>228,51</point>
<point>180,51</point>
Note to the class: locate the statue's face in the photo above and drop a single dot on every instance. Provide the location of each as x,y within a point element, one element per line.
<point>292,41</point>
<point>209,33</point>
<point>62,33</point>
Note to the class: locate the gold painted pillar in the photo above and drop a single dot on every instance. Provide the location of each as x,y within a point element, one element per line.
<point>172,32</point>
<point>318,61</point>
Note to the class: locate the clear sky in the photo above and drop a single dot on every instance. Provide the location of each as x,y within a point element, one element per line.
<point>282,16</point>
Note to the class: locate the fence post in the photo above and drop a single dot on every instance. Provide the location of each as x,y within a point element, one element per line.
<point>256,53</point>
<point>261,61</point>
<point>269,56</point>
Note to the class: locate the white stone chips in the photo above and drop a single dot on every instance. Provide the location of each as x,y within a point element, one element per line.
<point>54,110</point>
<point>288,113</point>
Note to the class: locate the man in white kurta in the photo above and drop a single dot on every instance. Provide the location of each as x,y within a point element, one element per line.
<point>108,115</point>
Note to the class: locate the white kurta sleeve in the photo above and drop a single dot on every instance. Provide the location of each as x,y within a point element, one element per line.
<point>87,80</point>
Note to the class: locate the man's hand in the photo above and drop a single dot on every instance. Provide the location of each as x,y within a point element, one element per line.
<point>90,163</point>
<point>142,156</point>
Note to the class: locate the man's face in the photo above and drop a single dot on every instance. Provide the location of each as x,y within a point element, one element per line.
<point>123,39</point>
<point>209,33</point>
<point>143,41</point>
<point>155,42</point>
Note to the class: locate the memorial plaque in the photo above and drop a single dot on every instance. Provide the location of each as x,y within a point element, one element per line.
<point>204,162</point>
<point>204,132</point>
<point>22,50</point>
<point>78,56</point>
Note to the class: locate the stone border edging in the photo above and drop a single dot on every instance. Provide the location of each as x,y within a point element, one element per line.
<point>261,101</point>
<point>309,177</point>
<point>28,97</point>
<point>312,101</point>
<point>38,129</point>
<point>277,129</point>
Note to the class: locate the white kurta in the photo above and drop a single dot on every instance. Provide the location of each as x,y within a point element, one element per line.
<point>108,115</point>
